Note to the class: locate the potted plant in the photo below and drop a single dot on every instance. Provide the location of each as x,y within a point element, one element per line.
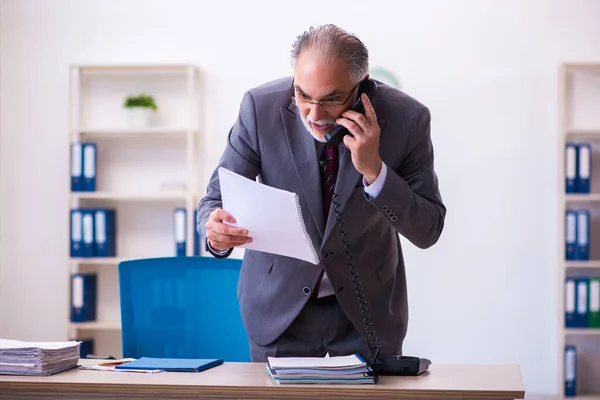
<point>140,109</point>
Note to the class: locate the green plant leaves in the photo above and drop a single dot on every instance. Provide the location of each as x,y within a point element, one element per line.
<point>141,100</point>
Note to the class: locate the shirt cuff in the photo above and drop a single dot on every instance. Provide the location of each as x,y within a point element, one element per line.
<point>212,249</point>
<point>374,189</point>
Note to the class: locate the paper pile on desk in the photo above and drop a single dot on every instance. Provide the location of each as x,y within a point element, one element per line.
<point>350,369</point>
<point>37,358</point>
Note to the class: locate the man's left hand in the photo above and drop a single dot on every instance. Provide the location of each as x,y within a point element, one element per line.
<point>364,146</point>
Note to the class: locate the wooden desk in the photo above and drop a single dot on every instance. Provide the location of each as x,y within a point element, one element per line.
<point>250,381</point>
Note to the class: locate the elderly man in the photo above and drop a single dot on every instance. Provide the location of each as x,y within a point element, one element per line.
<point>379,180</point>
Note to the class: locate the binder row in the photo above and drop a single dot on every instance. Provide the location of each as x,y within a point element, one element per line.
<point>93,232</point>
<point>582,302</point>
<point>570,371</point>
<point>83,167</point>
<point>578,167</point>
<point>577,235</point>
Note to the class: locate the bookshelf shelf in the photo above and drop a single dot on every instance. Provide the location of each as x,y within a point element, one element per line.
<point>131,69</point>
<point>120,133</point>
<point>586,397</point>
<point>96,326</point>
<point>583,264</point>
<point>582,331</point>
<point>141,176</point>
<point>582,198</point>
<point>142,197</point>
<point>578,350</point>
<point>99,260</point>
<point>593,133</point>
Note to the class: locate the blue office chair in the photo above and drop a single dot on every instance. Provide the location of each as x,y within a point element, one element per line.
<point>182,307</point>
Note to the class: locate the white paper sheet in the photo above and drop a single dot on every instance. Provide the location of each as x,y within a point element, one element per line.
<point>272,216</point>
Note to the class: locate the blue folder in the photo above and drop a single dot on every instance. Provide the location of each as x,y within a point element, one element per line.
<point>571,168</point>
<point>180,231</point>
<point>84,289</point>
<point>570,305</point>
<point>76,167</point>
<point>172,364</point>
<point>105,232</point>
<point>582,248</point>
<point>89,167</point>
<point>584,167</point>
<point>571,235</point>
<point>570,375</point>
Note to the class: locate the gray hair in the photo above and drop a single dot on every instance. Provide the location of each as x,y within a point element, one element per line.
<point>332,43</point>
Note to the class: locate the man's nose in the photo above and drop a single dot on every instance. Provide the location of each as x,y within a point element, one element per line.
<point>318,112</point>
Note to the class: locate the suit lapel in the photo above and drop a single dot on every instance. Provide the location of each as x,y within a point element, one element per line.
<point>304,156</point>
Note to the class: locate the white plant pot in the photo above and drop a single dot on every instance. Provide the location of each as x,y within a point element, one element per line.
<point>139,117</point>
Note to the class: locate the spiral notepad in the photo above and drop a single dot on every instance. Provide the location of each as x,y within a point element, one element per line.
<point>272,216</point>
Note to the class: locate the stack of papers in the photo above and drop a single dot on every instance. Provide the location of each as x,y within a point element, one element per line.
<point>37,358</point>
<point>350,369</point>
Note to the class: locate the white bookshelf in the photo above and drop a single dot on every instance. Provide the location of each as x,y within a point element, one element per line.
<point>579,121</point>
<point>143,173</point>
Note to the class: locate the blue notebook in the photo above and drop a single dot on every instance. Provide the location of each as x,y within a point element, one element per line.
<point>172,364</point>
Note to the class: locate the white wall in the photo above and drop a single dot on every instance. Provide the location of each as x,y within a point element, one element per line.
<point>486,293</point>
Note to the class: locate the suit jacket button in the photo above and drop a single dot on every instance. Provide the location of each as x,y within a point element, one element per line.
<point>306,290</point>
<point>326,255</point>
<point>384,208</point>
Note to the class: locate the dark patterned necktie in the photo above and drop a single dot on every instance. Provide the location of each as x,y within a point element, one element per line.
<point>329,169</point>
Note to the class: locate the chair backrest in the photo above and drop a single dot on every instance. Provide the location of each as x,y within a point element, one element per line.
<point>182,307</point>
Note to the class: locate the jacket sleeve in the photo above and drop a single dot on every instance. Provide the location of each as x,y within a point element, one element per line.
<point>410,198</point>
<point>241,155</point>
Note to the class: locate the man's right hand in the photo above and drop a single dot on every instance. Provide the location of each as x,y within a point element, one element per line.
<point>222,236</point>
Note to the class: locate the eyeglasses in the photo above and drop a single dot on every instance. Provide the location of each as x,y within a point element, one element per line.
<point>330,102</point>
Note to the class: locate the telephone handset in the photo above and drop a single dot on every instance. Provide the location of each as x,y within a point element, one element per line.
<point>382,364</point>
<point>335,136</point>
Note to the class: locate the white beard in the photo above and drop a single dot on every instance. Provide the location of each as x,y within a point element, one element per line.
<point>306,122</point>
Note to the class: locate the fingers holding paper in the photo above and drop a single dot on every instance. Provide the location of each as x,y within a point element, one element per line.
<point>223,236</point>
